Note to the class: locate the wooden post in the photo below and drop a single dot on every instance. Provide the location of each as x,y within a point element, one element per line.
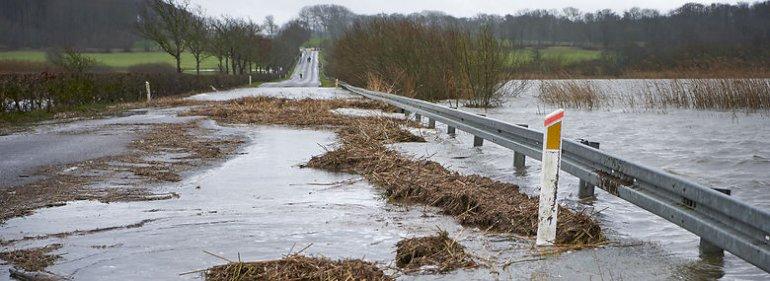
<point>149,93</point>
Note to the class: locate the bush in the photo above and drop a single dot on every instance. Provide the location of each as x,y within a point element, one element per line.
<point>152,68</point>
<point>421,61</point>
<point>70,60</point>
<point>62,91</point>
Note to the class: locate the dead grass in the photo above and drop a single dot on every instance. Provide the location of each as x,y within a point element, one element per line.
<point>439,252</point>
<point>59,186</point>
<point>277,111</point>
<point>473,200</point>
<point>744,94</point>
<point>35,259</point>
<point>298,267</point>
<point>573,94</point>
<point>750,94</point>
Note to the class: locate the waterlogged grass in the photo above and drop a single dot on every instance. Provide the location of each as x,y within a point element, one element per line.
<point>119,60</point>
<point>564,55</point>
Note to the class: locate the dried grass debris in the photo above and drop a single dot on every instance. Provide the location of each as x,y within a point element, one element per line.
<point>35,259</point>
<point>298,267</point>
<point>436,253</point>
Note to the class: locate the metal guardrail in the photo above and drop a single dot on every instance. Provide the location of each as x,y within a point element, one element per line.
<point>716,218</point>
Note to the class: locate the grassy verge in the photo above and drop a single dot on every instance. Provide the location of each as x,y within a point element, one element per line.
<point>326,81</point>
<point>119,60</point>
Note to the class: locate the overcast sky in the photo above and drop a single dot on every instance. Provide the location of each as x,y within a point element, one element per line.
<point>284,10</point>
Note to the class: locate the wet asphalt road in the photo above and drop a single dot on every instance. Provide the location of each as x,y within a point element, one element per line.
<point>25,153</point>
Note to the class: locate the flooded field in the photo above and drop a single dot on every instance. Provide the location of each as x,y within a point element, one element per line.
<point>719,149</point>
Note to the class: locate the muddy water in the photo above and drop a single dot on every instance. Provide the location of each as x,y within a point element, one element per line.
<point>719,149</point>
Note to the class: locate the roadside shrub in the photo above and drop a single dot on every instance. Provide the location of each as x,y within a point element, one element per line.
<point>21,66</point>
<point>70,60</point>
<point>421,61</point>
<point>152,68</point>
<point>62,91</point>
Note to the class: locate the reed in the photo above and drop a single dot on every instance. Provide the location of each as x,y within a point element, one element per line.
<point>571,93</point>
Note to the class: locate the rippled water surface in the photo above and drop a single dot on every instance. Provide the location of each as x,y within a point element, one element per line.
<point>719,149</point>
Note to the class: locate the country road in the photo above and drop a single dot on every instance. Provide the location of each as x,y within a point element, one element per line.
<point>57,144</point>
<point>259,203</point>
<point>305,73</point>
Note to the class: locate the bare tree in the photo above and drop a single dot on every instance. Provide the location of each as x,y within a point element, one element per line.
<point>167,23</point>
<point>198,38</point>
<point>269,26</point>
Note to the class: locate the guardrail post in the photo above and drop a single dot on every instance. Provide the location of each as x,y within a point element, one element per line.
<point>586,190</point>
<point>519,160</point>
<point>709,251</point>
<point>431,123</point>
<point>477,141</point>
<point>548,209</point>
<point>149,93</point>
<point>451,131</point>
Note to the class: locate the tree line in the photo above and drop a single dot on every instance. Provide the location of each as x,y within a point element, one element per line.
<point>97,25</point>
<point>239,45</point>
<point>645,38</point>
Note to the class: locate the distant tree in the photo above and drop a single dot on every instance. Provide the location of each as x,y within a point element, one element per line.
<point>269,26</point>
<point>198,38</point>
<point>167,23</point>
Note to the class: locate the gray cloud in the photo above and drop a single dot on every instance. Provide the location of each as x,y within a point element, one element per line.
<point>284,10</point>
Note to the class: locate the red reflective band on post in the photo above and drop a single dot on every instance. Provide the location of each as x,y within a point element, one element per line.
<point>554,117</point>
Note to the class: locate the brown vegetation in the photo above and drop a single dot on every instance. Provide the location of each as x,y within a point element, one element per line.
<point>298,267</point>
<point>60,185</point>
<point>425,62</point>
<point>35,259</point>
<point>439,251</point>
<point>473,200</point>
<point>575,94</point>
<point>746,94</point>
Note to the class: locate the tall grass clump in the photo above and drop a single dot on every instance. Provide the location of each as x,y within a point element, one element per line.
<point>571,93</point>
<point>422,61</point>
<point>744,94</point>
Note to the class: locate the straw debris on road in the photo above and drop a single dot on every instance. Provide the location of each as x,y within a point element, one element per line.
<point>298,267</point>
<point>437,253</point>
<point>473,200</point>
<point>122,178</point>
<point>35,259</point>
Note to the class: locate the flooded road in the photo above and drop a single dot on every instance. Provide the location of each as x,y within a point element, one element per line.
<point>261,205</point>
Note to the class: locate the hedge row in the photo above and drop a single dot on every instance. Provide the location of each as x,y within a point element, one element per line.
<point>60,91</point>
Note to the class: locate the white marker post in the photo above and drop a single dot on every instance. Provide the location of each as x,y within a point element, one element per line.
<point>546,220</point>
<point>249,79</point>
<point>149,94</point>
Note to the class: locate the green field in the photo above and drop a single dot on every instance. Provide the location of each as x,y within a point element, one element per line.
<point>119,60</point>
<point>565,55</point>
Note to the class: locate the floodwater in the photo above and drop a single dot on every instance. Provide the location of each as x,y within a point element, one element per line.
<point>718,149</point>
<point>25,153</point>
<point>261,205</point>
